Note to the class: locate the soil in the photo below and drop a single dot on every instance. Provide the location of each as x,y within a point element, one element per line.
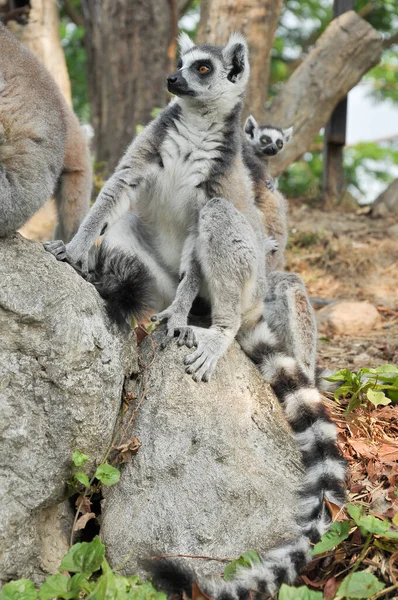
<point>345,256</point>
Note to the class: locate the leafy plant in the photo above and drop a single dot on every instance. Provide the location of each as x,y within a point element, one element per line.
<point>89,576</point>
<point>378,385</point>
<point>246,560</point>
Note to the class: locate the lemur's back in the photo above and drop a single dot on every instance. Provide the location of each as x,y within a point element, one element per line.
<point>32,133</point>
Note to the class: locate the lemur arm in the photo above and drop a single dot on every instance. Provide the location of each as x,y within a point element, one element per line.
<point>116,197</point>
<point>177,313</point>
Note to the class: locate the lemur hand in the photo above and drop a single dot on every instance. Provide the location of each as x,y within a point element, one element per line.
<point>177,324</point>
<point>70,254</point>
<point>271,245</point>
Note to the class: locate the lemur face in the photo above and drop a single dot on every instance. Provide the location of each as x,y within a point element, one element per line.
<point>266,139</point>
<point>209,74</point>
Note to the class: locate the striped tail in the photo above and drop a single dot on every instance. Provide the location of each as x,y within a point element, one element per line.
<point>324,478</point>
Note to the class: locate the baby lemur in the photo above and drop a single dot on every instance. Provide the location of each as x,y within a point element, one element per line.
<point>195,229</point>
<point>262,143</point>
<point>43,151</point>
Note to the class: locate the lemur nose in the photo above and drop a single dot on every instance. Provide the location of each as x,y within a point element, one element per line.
<point>172,79</point>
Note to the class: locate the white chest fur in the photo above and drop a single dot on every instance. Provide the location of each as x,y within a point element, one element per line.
<point>187,155</point>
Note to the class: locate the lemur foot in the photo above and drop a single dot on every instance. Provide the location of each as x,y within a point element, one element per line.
<point>176,325</point>
<point>211,345</point>
<point>64,252</point>
<point>271,245</point>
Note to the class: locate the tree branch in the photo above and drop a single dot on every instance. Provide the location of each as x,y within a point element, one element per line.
<point>75,16</point>
<point>347,49</point>
<point>183,6</point>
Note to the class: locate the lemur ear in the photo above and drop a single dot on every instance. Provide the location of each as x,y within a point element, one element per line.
<point>236,54</point>
<point>287,134</point>
<point>185,43</point>
<point>250,126</point>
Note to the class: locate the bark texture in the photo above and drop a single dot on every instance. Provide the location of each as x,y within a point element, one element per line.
<point>41,36</point>
<point>127,59</point>
<point>257,21</point>
<point>347,49</point>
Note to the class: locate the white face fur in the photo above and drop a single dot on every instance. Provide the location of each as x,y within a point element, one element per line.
<point>212,76</point>
<point>266,139</point>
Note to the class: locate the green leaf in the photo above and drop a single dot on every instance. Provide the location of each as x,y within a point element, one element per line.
<point>342,375</point>
<point>302,593</point>
<point>107,474</point>
<point>82,477</point>
<point>21,589</point>
<point>85,557</point>
<point>338,532</point>
<point>393,369</point>
<point>369,523</point>
<point>246,560</point>
<point>360,585</point>
<point>55,586</point>
<point>79,458</point>
<point>377,398</point>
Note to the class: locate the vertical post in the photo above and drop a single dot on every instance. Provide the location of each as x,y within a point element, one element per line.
<point>334,139</point>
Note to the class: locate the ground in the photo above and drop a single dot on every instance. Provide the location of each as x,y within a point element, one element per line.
<point>345,256</point>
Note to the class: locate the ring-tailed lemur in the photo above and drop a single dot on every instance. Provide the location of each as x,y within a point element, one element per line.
<point>262,143</point>
<point>42,148</point>
<point>194,210</point>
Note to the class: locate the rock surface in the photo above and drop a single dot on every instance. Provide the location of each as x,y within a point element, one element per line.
<point>216,472</point>
<point>61,375</point>
<point>348,318</point>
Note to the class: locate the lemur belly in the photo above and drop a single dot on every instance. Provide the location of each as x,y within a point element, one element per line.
<point>186,164</point>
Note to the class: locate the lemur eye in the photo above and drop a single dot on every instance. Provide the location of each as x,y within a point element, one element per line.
<point>203,69</point>
<point>279,144</point>
<point>264,139</point>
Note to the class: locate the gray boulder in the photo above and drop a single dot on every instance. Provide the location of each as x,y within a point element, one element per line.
<point>61,375</point>
<point>217,470</point>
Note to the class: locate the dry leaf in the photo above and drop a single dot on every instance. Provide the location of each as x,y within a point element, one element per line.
<point>127,450</point>
<point>197,593</point>
<point>82,521</point>
<point>330,589</point>
<point>85,506</point>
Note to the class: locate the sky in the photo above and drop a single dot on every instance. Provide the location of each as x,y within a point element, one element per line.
<point>369,121</point>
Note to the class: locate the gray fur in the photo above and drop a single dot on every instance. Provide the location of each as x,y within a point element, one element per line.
<point>262,142</point>
<point>186,180</point>
<point>42,150</point>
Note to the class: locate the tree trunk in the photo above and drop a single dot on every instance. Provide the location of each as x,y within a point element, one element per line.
<point>41,35</point>
<point>257,21</point>
<point>127,59</point>
<point>343,54</point>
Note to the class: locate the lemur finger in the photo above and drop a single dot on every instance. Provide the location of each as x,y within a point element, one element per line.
<point>210,371</point>
<point>190,358</point>
<point>197,364</point>
<point>161,316</point>
<point>186,337</point>
<point>205,371</point>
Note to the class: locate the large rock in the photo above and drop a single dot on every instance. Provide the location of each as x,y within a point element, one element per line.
<point>216,472</point>
<point>348,318</point>
<point>61,375</point>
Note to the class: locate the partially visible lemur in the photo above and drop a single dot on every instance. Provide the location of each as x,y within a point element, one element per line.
<point>43,151</point>
<point>263,142</point>
<point>194,217</point>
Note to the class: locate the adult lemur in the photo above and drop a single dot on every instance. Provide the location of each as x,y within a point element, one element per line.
<point>194,216</point>
<point>263,142</point>
<point>42,148</point>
